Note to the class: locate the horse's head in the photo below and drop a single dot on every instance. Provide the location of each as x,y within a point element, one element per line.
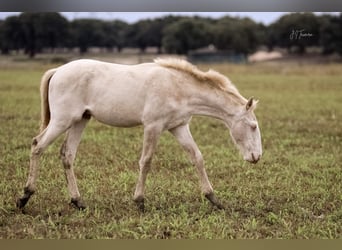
<point>246,134</point>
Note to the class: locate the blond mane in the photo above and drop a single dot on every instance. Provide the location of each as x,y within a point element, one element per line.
<point>211,77</point>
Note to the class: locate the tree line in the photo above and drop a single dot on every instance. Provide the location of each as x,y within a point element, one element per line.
<point>33,32</point>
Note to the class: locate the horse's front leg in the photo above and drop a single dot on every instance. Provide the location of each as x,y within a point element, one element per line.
<point>151,135</point>
<point>184,137</point>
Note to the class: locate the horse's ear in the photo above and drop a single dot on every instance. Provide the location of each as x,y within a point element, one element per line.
<point>249,103</point>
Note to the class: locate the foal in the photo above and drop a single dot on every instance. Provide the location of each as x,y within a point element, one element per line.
<point>163,95</point>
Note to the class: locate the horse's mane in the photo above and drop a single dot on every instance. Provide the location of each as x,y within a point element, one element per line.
<point>211,77</point>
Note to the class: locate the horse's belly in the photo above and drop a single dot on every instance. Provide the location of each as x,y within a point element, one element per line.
<point>117,112</point>
<point>116,119</point>
<point>116,103</point>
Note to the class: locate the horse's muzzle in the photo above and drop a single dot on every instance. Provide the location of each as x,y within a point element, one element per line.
<point>254,158</point>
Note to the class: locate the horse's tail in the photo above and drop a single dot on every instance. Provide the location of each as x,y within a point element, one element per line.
<point>44,98</point>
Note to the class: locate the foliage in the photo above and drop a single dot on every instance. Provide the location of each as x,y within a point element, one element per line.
<point>237,35</point>
<point>114,34</point>
<point>294,192</point>
<point>186,34</point>
<point>172,34</point>
<point>11,32</point>
<point>39,30</point>
<point>148,33</point>
<point>331,34</point>
<point>88,33</point>
<point>288,31</point>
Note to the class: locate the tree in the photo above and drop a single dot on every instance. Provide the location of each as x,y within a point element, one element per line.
<point>41,30</point>
<point>295,30</point>
<point>238,35</point>
<point>186,34</point>
<point>54,30</point>
<point>331,34</point>
<point>271,36</point>
<point>139,34</point>
<point>114,34</point>
<point>11,34</point>
<point>3,48</point>
<point>174,34</point>
<point>156,31</point>
<point>30,23</point>
<point>121,34</point>
<point>148,33</point>
<point>88,33</point>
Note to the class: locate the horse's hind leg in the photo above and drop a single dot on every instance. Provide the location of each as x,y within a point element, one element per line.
<point>68,154</point>
<point>39,144</point>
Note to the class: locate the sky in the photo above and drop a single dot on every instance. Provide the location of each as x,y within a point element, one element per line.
<point>131,17</point>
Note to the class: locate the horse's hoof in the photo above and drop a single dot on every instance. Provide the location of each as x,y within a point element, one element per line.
<point>21,202</point>
<point>220,206</point>
<point>140,204</point>
<point>78,203</point>
<point>214,201</point>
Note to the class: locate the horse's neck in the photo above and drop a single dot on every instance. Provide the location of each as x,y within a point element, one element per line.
<point>214,104</point>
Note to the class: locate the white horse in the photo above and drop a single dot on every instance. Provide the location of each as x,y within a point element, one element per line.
<point>163,95</point>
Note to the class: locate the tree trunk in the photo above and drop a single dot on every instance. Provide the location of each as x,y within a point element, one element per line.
<point>32,53</point>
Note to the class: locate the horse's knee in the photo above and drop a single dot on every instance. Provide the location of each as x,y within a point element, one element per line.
<point>36,151</point>
<point>34,142</point>
<point>36,148</point>
<point>67,161</point>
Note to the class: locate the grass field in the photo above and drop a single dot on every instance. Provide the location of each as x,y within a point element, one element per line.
<point>294,192</point>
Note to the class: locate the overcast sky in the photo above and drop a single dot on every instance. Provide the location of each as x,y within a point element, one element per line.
<point>131,17</point>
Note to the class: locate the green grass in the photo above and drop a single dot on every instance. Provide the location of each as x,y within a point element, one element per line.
<point>294,192</point>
